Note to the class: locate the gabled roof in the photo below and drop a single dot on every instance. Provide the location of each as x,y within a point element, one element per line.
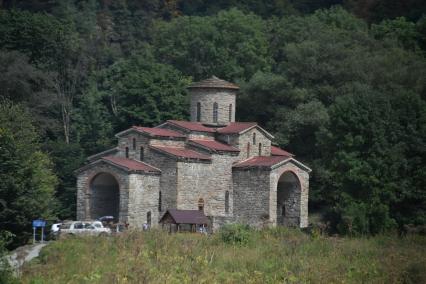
<point>152,132</point>
<point>276,151</point>
<point>213,145</point>
<point>180,152</point>
<point>131,165</point>
<point>214,83</point>
<point>191,126</point>
<point>185,216</point>
<point>270,162</point>
<point>125,164</point>
<point>103,153</point>
<point>242,127</point>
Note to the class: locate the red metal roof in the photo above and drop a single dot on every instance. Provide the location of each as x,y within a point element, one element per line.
<point>192,126</point>
<point>159,132</point>
<point>186,216</point>
<point>214,145</point>
<point>276,151</point>
<point>181,152</point>
<point>130,165</point>
<point>261,161</point>
<point>236,127</point>
<point>214,82</point>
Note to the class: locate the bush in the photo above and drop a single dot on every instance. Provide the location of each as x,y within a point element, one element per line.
<point>236,234</point>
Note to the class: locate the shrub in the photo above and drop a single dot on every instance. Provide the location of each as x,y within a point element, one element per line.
<point>236,234</point>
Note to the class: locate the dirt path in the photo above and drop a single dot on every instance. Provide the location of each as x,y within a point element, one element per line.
<point>24,254</point>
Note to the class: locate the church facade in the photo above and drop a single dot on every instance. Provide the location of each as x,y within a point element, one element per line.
<point>230,170</point>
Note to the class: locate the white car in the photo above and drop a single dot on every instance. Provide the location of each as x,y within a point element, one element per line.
<point>84,228</point>
<point>54,230</point>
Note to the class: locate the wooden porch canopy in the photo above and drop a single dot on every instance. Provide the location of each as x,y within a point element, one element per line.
<point>177,217</point>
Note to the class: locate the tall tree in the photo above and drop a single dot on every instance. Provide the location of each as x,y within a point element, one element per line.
<point>28,183</point>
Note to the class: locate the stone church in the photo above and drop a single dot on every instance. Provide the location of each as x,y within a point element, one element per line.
<point>230,170</point>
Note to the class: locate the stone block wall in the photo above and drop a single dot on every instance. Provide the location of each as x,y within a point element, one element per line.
<point>143,141</point>
<point>247,138</point>
<point>143,194</point>
<point>251,196</point>
<point>301,198</point>
<point>84,192</point>
<point>207,97</point>
<point>209,181</point>
<point>168,179</point>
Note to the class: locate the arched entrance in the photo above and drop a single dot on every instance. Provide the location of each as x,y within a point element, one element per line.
<point>105,196</point>
<point>288,200</point>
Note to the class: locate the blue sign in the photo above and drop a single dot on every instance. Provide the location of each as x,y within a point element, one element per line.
<point>39,223</point>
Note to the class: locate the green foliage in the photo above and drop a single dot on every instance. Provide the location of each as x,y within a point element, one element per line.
<point>142,91</point>
<point>235,234</point>
<point>372,169</point>
<point>230,45</point>
<point>279,255</point>
<point>28,183</point>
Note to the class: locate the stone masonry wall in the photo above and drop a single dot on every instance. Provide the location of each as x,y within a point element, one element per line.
<point>84,191</point>
<point>208,181</point>
<point>246,138</point>
<point>251,196</point>
<point>143,194</point>
<point>207,97</point>
<point>303,177</point>
<point>168,178</point>
<point>143,141</point>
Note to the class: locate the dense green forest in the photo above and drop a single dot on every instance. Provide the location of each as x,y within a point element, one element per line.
<point>342,84</point>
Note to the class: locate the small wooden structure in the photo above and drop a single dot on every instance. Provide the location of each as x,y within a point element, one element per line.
<point>184,220</point>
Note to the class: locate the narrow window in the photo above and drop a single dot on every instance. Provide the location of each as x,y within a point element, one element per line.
<point>260,149</point>
<point>134,143</point>
<point>148,218</point>
<point>283,210</point>
<point>230,112</point>
<point>201,204</point>
<point>254,138</point>
<point>127,152</point>
<point>198,111</point>
<point>248,149</point>
<point>227,202</point>
<point>159,202</point>
<point>141,154</point>
<point>215,112</point>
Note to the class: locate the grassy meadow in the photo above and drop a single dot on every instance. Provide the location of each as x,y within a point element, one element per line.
<point>276,255</point>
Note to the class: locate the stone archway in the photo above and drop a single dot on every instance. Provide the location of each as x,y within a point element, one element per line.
<point>105,196</point>
<point>288,200</point>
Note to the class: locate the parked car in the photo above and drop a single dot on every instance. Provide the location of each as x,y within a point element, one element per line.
<point>54,230</point>
<point>84,228</point>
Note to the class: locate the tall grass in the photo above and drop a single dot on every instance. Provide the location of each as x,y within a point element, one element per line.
<point>270,256</point>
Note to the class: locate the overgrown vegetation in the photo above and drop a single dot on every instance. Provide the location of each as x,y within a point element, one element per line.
<point>342,87</point>
<point>274,256</point>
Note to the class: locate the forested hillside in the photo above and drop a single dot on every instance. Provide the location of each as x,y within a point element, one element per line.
<point>341,84</point>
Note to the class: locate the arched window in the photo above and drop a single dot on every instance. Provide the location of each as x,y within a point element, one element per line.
<point>142,154</point>
<point>134,143</point>
<point>227,202</point>
<point>148,218</point>
<point>254,138</point>
<point>230,112</point>
<point>215,112</point>
<point>260,149</point>
<point>201,204</point>
<point>127,152</point>
<point>198,111</point>
<point>248,149</point>
<point>159,202</point>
